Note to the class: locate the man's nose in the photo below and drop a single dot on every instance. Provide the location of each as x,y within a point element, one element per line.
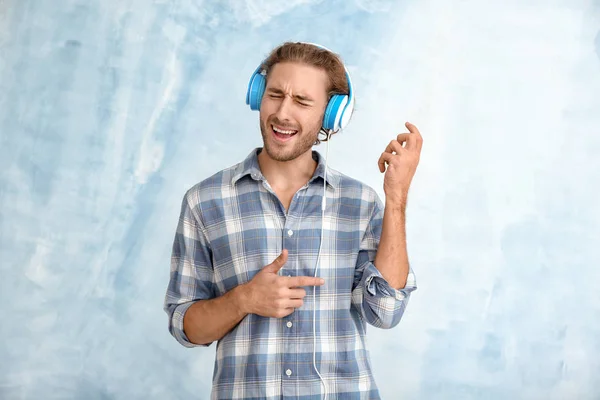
<point>285,108</point>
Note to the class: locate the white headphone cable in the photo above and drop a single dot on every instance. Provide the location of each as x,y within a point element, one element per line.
<point>323,206</point>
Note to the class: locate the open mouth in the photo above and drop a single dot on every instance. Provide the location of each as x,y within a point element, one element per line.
<point>283,134</point>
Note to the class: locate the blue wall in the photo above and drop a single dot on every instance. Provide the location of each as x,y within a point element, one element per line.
<point>110,110</point>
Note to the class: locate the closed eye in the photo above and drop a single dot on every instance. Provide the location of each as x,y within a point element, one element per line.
<point>300,99</point>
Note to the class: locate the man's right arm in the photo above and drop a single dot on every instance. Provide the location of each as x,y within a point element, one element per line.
<point>197,317</point>
<point>209,320</point>
<point>191,276</point>
<point>267,294</point>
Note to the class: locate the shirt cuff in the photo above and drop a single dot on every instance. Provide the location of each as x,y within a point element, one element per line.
<point>377,286</point>
<point>177,326</point>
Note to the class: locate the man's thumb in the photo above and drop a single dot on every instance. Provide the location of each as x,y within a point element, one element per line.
<point>276,265</point>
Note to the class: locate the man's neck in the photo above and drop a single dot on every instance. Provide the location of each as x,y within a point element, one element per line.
<point>287,175</point>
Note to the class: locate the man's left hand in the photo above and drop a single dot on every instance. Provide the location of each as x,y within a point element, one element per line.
<point>402,158</point>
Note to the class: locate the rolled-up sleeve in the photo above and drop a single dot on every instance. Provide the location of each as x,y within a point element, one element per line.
<point>380,304</point>
<point>191,273</point>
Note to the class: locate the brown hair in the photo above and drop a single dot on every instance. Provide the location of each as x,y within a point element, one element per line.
<point>316,57</point>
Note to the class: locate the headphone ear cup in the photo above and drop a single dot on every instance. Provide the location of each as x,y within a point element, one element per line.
<point>333,112</point>
<point>347,113</point>
<point>256,90</point>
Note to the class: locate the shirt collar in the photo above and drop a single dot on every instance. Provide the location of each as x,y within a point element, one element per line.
<point>250,166</point>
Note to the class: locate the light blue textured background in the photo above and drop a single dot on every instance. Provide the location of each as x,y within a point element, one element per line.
<point>110,110</point>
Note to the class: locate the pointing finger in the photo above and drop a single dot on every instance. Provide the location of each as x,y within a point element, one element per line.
<point>299,281</point>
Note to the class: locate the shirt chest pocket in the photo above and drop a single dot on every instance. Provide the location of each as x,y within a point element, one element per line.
<point>336,262</point>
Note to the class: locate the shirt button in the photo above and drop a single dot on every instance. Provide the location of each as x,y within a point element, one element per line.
<point>290,232</point>
<point>289,324</point>
<point>288,372</point>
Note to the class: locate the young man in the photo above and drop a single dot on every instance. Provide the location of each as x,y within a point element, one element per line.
<point>252,237</point>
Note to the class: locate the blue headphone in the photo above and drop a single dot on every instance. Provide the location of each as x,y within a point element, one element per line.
<point>338,111</point>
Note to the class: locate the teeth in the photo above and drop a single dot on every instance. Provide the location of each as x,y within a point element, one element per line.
<point>283,132</point>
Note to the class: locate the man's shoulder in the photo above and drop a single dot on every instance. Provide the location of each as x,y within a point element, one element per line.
<point>212,186</point>
<point>349,186</point>
<point>357,199</point>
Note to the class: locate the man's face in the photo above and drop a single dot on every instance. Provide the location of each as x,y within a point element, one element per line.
<point>292,108</point>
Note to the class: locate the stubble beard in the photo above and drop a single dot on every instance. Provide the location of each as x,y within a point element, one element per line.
<point>303,143</point>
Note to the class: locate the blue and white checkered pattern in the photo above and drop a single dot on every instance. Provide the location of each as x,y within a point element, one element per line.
<point>232,225</point>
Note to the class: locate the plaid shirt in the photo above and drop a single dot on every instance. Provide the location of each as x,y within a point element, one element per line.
<point>232,225</point>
